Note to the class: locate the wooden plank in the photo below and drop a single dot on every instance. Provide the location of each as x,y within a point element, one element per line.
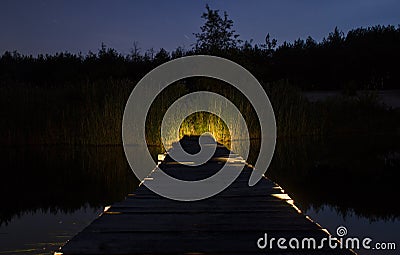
<point>189,242</point>
<point>200,221</point>
<point>228,223</point>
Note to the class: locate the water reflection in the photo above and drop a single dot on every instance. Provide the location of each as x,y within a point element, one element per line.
<point>43,232</point>
<point>61,179</point>
<point>352,176</point>
<point>344,181</point>
<point>378,231</point>
<point>356,175</point>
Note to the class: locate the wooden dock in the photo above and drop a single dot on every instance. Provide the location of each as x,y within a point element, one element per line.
<point>229,223</point>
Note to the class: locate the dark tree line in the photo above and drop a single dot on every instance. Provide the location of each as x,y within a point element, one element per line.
<point>364,58</point>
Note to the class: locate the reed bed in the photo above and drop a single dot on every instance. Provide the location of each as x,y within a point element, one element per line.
<point>90,113</point>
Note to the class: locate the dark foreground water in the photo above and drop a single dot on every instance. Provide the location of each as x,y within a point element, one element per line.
<point>48,194</point>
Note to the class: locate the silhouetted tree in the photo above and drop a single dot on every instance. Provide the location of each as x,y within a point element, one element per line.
<point>135,52</point>
<point>270,44</point>
<point>178,52</point>
<point>364,58</point>
<point>217,33</point>
<point>161,56</point>
<point>335,38</point>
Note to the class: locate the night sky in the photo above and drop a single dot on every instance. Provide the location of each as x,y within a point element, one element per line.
<point>50,26</point>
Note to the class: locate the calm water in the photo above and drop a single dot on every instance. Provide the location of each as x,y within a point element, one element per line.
<point>390,98</point>
<point>345,181</point>
<point>48,194</point>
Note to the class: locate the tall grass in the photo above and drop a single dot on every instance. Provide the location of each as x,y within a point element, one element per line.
<point>200,122</point>
<point>295,116</point>
<point>90,113</point>
<point>87,113</point>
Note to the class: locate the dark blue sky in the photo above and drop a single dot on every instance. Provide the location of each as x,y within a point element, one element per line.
<point>49,26</point>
